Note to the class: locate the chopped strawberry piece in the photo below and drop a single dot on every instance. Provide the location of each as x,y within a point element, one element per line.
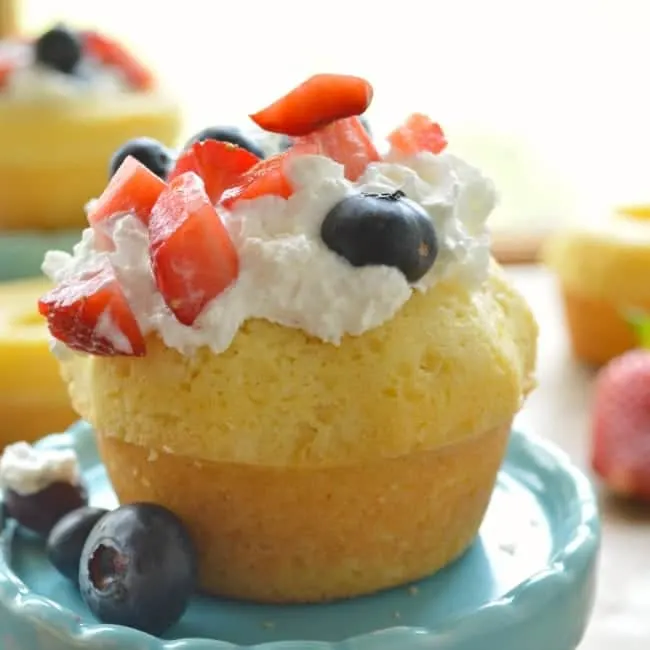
<point>345,141</point>
<point>322,99</point>
<point>219,164</point>
<point>110,52</point>
<point>192,255</point>
<point>418,134</point>
<point>621,425</point>
<point>133,188</point>
<point>91,314</point>
<point>6,68</point>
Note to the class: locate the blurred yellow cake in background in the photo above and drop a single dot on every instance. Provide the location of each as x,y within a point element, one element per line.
<point>603,269</point>
<point>68,100</point>
<point>33,399</point>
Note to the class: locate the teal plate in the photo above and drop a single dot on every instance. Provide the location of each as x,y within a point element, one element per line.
<point>21,253</point>
<point>527,583</point>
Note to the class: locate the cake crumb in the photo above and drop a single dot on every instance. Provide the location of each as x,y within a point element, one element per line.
<point>167,449</point>
<point>508,547</point>
<point>146,482</point>
<point>268,625</point>
<point>153,455</point>
<point>413,590</point>
<point>197,464</point>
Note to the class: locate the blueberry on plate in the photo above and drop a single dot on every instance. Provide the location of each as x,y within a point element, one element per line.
<point>59,48</point>
<point>66,540</point>
<point>227,134</point>
<point>151,153</point>
<point>40,511</point>
<point>138,568</point>
<point>382,229</point>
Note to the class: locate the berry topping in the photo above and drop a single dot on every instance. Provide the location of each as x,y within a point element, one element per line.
<point>285,141</point>
<point>219,164</point>
<point>192,255</point>
<point>41,510</point>
<point>90,313</point>
<point>111,53</point>
<point>151,153</point>
<point>227,134</point>
<point>138,568</point>
<point>418,134</point>
<point>132,189</point>
<point>621,425</point>
<point>382,229</point>
<point>345,141</point>
<point>67,538</point>
<point>322,99</point>
<point>59,48</point>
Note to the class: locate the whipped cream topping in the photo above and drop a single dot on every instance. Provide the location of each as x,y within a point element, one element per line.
<point>32,82</point>
<point>287,274</point>
<point>27,470</point>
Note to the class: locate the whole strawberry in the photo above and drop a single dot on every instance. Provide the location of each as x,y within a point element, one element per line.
<point>621,425</point>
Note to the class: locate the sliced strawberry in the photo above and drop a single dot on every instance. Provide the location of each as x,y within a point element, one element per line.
<point>418,134</point>
<point>133,188</point>
<point>91,314</point>
<point>315,103</point>
<point>219,164</point>
<point>192,255</point>
<point>110,52</point>
<point>6,68</point>
<point>621,425</point>
<point>345,141</point>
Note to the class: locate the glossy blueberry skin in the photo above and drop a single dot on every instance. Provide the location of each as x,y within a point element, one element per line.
<point>59,48</point>
<point>66,540</point>
<point>151,153</point>
<point>382,229</point>
<point>285,142</point>
<point>39,512</point>
<point>227,134</point>
<point>138,568</point>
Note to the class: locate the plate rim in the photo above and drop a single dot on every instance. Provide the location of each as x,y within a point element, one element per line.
<point>546,585</point>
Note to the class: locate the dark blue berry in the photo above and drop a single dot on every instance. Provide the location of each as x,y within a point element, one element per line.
<point>382,229</point>
<point>227,134</point>
<point>285,141</point>
<point>138,568</point>
<point>59,48</point>
<point>67,539</point>
<point>151,153</point>
<point>40,511</point>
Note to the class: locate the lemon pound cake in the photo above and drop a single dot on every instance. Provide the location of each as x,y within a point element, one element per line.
<point>603,269</point>
<point>68,99</point>
<point>310,359</point>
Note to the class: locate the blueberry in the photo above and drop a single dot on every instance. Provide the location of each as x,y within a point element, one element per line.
<point>138,568</point>
<point>227,134</point>
<point>285,141</point>
<point>67,539</point>
<point>39,512</point>
<point>382,229</point>
<point>59,48</point>
<point>151,153</point>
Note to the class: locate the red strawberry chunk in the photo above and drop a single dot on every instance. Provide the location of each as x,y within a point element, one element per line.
<point>132,189</point>
<point>347,142</point>
<point>6,68</point>
<point>91,314</point>
<point>192,255</point>
<point>621,424</point>
<point>219,164</point>
<point>418,134</point>
<point>110,52</point>
<point>315,103</point>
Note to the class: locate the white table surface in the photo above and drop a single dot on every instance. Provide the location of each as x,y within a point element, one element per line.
<point>559,410</point>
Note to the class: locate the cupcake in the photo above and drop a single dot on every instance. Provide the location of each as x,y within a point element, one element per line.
<point>68,99</point>
<point>278,350</point>
<point>602,269</point>
<point>33,398</point>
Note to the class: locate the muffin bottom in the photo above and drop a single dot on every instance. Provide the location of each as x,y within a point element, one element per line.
<point>281,535</point>
<point>597,331</point>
